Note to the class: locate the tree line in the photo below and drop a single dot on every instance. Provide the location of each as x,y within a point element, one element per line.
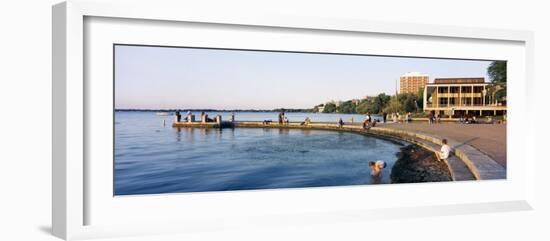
<point>382,103</point>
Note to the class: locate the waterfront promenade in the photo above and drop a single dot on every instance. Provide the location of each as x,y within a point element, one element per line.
<point>487,138</point>
<point>480,149</point>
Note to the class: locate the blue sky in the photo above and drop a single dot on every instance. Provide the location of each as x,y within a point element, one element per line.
<point>186,78</point>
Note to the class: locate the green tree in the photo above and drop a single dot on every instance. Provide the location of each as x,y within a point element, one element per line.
<point>380,102</point>
<point>394,105</point>
<point>408,102</point>
<point>347,107</point>
<point>420,99</point>
<point>374,105</point>
<point>363,107</point>
<point>329,108</point>
<point>497,73</point>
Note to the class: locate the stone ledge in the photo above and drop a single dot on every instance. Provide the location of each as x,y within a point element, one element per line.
<point>481,166</point>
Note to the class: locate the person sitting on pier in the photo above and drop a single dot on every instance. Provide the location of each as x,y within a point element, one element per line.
<point>187,116</point>
<point>267,122</point>
<point>340,123</point>
<point>366,124</point>
<point>376,168</point>
<point>285,120</point>
<point>208,119</point>
<point>306,121</point>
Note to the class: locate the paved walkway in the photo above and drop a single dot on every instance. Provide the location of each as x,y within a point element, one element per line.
<point>488,138</point>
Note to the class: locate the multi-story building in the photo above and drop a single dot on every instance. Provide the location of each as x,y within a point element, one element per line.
<point>462,96</point>
<point>412,82</point>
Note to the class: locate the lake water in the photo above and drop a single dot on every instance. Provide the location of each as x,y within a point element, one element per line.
<point>151,158</point>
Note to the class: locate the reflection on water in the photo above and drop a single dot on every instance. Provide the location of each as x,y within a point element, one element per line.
<point>150,158</point>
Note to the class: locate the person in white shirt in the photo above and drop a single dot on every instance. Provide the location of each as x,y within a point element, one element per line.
<point>445,151</point>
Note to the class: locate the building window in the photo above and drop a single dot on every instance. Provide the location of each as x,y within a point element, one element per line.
<point>466,101</point>
<point>478,101</point>
<point>452,101</point>
<point>466,89</point>
<point>442,102</point>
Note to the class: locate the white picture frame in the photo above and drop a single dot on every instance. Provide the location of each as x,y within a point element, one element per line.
<point>72,191</point>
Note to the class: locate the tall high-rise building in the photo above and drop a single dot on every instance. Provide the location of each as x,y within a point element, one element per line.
<point>411,82</point>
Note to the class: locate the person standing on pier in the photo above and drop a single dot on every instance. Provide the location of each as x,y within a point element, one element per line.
<point>384,116</point>
<point>281,115</point>
<point>368,118</point>
<point>178,116</point>
<point>340,123</point>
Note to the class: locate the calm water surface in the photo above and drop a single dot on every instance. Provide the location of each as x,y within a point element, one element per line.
<point>151,158</point>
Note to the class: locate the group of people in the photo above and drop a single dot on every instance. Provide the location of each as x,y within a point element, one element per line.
<point>368,122</point>
<point>203,117</point>
<point>443,154</point>
<point>396,117</point>
<point>434,117</point>
<point>282,118</point>
<point>467,119</point>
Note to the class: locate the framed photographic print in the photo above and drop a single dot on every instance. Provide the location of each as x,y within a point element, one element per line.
<point>178,121</point>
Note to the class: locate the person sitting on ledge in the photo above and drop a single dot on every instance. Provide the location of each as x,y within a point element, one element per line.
<point>366,124</point>
<point>376,168</point>
<point>187,116</point>
<point>445,151</point>
<point>340,123</point>
<point>208,119</point>
<point>285,120</point>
